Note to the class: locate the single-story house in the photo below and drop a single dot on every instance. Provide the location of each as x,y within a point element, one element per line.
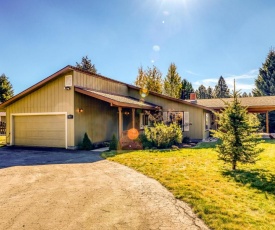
<point>59,110</point>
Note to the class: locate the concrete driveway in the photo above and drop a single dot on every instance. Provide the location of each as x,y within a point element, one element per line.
<point>62,189</point>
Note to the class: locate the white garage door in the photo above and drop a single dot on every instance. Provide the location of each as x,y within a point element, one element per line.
<point>40,130</point>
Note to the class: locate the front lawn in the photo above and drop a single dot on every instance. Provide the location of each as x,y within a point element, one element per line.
<point>244,199</point>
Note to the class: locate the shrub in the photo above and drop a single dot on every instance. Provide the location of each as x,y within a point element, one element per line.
<point>146,144</point>
<point>113,143</point>
<point>186,140</point>
<point>87,143</point>
<point>163,136</point>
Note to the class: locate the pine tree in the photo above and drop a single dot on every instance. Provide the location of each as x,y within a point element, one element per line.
<point>141,79</point>
<point>186,89</point>
<point>172,82</point>
<point>151,79</point>
<point>209,93</point>
<point>87,143</point>
<point>201,92</point>
<point>113,143</point>
<point>244,94</point>
<point>265,86</point>
<point>221,89</point>
<point>237,132</point>
<point>86,65</point>
<point>6,90</point>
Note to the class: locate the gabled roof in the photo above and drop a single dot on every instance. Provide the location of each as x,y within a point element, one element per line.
<point>117,100</point>
<point>71,68</point>
<point>174,99</point>
<point>253,104</point>
<point>40,84</point>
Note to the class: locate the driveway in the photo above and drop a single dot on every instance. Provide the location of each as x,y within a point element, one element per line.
<point>62,189</point>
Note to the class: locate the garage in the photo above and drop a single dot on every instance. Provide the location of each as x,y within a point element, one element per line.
<point>45,130</point>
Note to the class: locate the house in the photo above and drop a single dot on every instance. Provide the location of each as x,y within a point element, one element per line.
<point>57,111</point>
<point>263,104</point>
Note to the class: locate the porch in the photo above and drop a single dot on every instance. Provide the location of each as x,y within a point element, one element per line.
<point>130,114</point>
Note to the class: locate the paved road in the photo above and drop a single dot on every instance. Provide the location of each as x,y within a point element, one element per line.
<point>60,189</point>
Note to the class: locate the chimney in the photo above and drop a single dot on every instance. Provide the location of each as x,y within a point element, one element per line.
<point>193,97</point>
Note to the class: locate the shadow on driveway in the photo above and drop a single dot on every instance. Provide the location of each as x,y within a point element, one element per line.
<point>19,156</point>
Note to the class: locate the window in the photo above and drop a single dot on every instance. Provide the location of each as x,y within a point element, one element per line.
<point>207,121</point>
<point>144,121</point>
<point>169,117</point>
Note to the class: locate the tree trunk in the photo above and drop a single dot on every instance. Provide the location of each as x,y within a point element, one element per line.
<point>234,165</point>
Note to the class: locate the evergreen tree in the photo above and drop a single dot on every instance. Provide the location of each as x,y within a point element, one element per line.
<point>221,89</point>
<point>265,83</point>
<point>172,82</point>
<point>113,143</point>
<point>244,94</point>
<point>141,79</point>
<point>209,93</point>
<point>87,143</point>
<point>86,65</point>
<point>201,92</point>
<point>6,90</point>
<point>150,79</point>
<point>186,89</point>
<point>237,132</point>
<point>265,86</point>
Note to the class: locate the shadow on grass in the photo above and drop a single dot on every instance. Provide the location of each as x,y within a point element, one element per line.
<point>259,179</point>
<point>207,145</point>
<point>269,141</point>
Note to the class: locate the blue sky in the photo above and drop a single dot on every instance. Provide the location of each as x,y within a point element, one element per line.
<point>204,38</point>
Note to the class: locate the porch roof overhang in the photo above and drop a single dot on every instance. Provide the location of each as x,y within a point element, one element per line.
<point>117,100</point>
<point>253,104</point>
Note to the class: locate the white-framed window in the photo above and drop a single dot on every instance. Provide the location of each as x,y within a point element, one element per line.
<point>207,121</point>
<point>144,120</point>
<point>169,117</point>
<point>186,122</point>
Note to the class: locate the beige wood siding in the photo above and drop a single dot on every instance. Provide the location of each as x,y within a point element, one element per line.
<point>196,115</point>
<point>98,119</point>
<point>39,130</point>
<point>52,97</point>
<point>99,83</point>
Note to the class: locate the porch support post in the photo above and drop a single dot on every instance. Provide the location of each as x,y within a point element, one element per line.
<point>133,118</point>
<point>120,123</point>
<point>266,122</point>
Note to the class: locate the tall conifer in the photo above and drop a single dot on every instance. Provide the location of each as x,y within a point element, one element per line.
<point>172,82</point>
<point>6,90</point>
<point>221,89</point>
<point>265,86</point>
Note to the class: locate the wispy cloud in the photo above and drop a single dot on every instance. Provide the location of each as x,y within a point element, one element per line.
<point>193,73</point>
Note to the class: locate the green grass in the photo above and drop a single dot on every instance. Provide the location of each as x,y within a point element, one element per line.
<point>244,199</point>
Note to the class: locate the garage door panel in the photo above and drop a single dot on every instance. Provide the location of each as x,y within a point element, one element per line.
<point>40,130</point>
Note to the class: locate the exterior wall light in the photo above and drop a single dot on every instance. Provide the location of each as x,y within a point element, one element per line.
<point>67,87</point>
<point>80,110</point>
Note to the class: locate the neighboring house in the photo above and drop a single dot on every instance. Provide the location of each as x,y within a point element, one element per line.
<point>262,104</point>
<point>2,116</point>
<point>2,123</point>
<point>57,111</point>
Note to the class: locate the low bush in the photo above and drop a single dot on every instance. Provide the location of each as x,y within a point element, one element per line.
<point>113,143</point>
<point>163,136</point>
<point>146,144</point>
<point>87,143</point>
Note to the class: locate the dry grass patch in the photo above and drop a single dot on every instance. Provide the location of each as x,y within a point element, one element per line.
<point>244,199</point>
